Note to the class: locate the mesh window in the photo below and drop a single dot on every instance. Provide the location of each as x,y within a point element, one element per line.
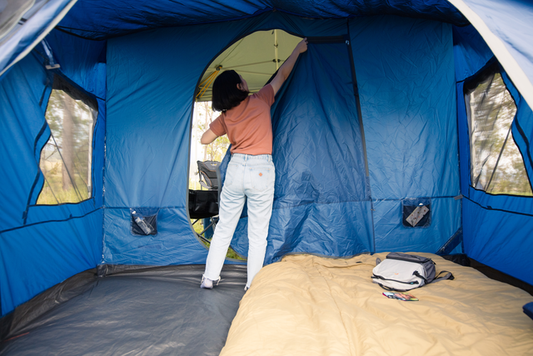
<point>66,159</point>
<point>497,167</point>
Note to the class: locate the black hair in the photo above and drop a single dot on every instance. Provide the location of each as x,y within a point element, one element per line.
<point>226,95</point>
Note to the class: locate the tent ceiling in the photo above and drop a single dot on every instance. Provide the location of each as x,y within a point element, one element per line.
<point>254,57</point>
<point>97,19</point>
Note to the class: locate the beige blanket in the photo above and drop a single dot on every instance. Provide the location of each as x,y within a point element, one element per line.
<point>307,305</point>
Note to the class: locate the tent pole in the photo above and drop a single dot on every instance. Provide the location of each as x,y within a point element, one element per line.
<point>276,49</point>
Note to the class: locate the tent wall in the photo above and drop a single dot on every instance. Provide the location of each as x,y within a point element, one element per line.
<point>22,122</point>
<point>499,239</point>
<point>82,61</point>
<point>496,227</point>
<point>151,82</point>
<point>40,246</point>
<point>40,256</point>
<point>405,73</point>
<point>321,200</point>
<point>150,90</point>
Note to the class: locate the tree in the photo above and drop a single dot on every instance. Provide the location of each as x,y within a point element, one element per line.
<point>67,152</point>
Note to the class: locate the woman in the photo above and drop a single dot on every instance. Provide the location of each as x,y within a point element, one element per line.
<point>250,175</point>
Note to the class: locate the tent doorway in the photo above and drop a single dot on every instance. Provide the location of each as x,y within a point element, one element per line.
<point>256,57</point>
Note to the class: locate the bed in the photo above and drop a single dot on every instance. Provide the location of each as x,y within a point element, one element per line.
<point>309,305</point>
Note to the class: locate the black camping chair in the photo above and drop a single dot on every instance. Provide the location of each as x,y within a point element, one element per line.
<point>209,172</point>
<point>203,204</point>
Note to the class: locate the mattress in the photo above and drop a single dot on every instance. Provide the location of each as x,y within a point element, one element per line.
<point>309,305</point>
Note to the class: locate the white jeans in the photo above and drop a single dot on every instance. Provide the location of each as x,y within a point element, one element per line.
<point>248,178</point>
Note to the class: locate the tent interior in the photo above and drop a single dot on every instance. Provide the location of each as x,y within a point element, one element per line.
<point>396,107</point>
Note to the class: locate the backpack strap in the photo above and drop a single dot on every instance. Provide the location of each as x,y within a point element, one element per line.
<point>415,273</point>
<point>448,275</point>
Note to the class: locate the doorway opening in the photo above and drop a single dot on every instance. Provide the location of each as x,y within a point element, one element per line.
<point>256,58</point>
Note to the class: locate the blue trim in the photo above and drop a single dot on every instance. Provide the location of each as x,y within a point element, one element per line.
<point>39,173</point>
<point>488,207</point>
<point>50,221</point>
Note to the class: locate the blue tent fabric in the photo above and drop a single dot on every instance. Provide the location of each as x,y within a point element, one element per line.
<point>408,106</point>
<point>498,238</point>
<point>401,132</point>
<point>174,234</point>
<point>98,20</point>
<point>94,20</point>
<point>23,118</point>
<point>313,202</point>
<point>148,145</point>
<point>82,61</point>
<point>39,256</point>
<point>303,219</point>
<point>470,52</point>
<point>522,126</point>
<point>41,245</point>
<point>528,309</point>
<point>148,125</point>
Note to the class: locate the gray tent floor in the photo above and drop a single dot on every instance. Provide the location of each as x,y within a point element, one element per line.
<point>159,311</point>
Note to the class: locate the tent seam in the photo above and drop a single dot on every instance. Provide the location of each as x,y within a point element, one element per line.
<point>50,221</point>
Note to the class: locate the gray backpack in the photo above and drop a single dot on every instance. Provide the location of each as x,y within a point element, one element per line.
<point>402,272</point>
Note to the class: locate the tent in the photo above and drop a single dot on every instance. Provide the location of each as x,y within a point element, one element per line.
<point>397,106</point>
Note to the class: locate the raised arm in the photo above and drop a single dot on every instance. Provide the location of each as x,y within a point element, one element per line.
<point>286,68</point>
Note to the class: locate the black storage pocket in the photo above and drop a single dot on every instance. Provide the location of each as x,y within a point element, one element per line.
<point>143,221</point>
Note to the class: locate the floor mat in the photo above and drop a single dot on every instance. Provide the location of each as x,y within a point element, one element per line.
<point>154,311</point>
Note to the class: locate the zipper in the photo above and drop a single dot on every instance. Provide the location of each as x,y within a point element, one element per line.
<point>393,280</point>
<point>406,260</point>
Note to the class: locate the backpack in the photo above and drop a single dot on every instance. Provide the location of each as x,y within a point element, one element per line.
<point>402,272</point>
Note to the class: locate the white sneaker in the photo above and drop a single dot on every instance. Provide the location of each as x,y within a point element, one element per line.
<point>208,283</point>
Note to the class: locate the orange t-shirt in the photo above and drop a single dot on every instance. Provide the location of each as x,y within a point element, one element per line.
<point>248,125</point>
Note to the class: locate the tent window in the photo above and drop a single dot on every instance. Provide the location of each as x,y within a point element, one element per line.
<point>497,167</point>
<point>66,159</point>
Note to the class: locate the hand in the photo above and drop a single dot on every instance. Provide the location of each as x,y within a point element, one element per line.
<point>286,68</point>
<point>302,46</point>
